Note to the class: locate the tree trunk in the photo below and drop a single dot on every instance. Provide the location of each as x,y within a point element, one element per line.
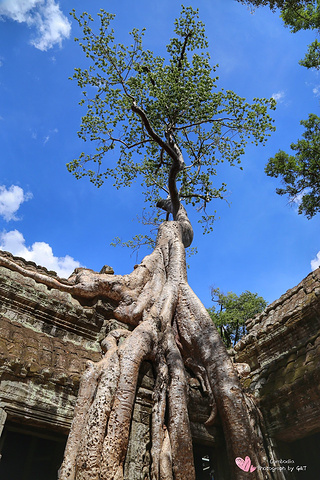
<point>171,328</point>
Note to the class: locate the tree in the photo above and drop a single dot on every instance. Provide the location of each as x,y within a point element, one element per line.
<point>305,17</point>
<point>297,15</point>
<point>149,114</point>
<point>232,311</point>
<point>149,111</point>
<point>300,173</point>
<point>274,4</point>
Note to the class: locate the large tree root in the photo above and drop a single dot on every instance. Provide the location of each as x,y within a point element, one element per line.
<point>169,326</point>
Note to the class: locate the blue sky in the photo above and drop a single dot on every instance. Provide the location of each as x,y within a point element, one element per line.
<point>259,243</point>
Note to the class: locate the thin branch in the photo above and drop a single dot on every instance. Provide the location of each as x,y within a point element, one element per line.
<point>130,62</point>
<point>119,74</point>
<point>126,145</point>
<point>161,187</point>
<point>190,146</point>
<point>198,195</point>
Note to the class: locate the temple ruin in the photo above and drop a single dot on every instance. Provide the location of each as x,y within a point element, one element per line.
<point>48,336</point>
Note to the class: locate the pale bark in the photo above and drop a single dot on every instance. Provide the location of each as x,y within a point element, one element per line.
<point>171,328</point>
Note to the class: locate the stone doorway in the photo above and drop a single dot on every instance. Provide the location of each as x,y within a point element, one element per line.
<point>28,453</point>
<point>210,463</point>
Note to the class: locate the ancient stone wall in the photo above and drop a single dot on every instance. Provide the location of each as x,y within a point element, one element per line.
<point>282,348</point>
<point>47,336</point>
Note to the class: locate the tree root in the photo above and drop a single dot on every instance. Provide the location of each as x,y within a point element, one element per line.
<point>173,330</point>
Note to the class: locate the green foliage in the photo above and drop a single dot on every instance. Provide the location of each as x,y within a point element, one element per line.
<point>301,15</point>
<point>300,173</point>
<point>312,57</point>
<point>231,312</point>
<point>297,15</point>
<point>305,17</point>
<point>274,4</point>
<point>137,100</point>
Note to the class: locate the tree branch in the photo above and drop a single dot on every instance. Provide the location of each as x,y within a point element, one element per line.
<point>183,51</point>
<point>145,120</point>
<point>126,144</point>
<point>177,165</point>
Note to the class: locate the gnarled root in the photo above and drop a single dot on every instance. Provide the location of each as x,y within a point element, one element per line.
<point>172,329</point>
<point>137,347</point>
<point>166,472</point>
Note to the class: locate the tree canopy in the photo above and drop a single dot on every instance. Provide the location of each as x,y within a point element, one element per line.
<point>300,173</point>
<point>297,15</point>
<point>145,111</point>
<point>282,4</point>
<point>231,311</point>
<point>305,16</point>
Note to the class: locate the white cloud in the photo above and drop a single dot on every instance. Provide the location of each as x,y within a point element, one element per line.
<point>279,96</point>
<point>40,252</point>
<point>316,90</point>
<point>44,15</point>
<point>10,201</point>
<point>315,263</point>
<point>297,199</point>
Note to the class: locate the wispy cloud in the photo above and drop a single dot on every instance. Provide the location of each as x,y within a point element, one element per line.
<point>315,263</point>
<point>44,16</point>
<point>297,199</point>
<point>10,201</point>
<point>316,90</point>
<point>48,136</point>
<point>40,252</point>
<point>278,96</point>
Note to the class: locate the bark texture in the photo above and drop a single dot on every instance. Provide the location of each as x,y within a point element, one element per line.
<point>170,327</point>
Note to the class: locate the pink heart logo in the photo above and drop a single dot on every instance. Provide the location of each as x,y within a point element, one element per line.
<point>245,464</point>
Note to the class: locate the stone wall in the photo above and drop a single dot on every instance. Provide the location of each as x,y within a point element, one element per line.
<point>47,336</point>
<point>282,348</point>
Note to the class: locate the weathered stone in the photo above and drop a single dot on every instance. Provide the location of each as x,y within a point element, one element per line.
<point>47,336</point>
<point>286,362</point>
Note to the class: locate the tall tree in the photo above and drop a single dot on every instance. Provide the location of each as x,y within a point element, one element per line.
<point>148,110</point>
<point>160,119</point>
<point>232,311</point>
